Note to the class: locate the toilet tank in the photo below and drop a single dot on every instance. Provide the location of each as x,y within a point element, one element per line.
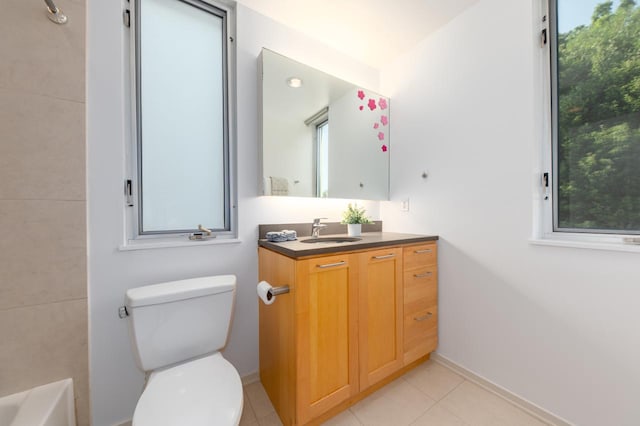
<point>178,320</point>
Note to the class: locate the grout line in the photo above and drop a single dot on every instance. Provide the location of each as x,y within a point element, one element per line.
<point>454,388</point>
<point>42,304</point>
<point>435,401</point>
<point>44,95</point>
<point>73,200</point>
<point>452,413</point>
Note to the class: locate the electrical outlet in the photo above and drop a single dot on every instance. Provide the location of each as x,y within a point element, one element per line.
<point>404,205</point>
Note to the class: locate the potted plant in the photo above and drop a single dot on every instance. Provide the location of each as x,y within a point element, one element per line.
<point>354,217</point>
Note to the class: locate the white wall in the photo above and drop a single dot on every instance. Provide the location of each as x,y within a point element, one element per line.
<point>557,326</point>
<point>115,381</point>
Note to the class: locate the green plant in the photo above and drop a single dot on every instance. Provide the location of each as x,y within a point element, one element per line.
<point>354,215</point>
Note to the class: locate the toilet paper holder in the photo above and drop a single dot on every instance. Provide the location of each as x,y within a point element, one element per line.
<point>275,291</point>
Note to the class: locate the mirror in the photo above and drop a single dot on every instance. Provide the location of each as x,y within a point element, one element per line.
<point>321,136</point>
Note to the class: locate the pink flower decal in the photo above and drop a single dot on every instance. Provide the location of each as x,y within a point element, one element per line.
<point>381,136</point>
<point>360,107</point>
<point>372,104</point>
<point>383,103</point>
<point>384,120</point>
<point>376,125</point>
<point>384,148</point>
<point>361,94</point>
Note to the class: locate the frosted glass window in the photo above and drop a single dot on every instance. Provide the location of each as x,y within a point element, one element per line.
<point>182,116</point>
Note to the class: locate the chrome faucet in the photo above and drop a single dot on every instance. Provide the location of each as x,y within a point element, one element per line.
<point>317,226</point>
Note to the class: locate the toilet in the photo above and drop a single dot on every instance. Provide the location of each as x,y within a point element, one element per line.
<point>177,329</point>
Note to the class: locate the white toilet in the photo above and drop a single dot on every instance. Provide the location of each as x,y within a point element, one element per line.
<point>177,329</point>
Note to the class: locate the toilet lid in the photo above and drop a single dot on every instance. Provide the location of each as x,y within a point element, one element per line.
<point>204,392</point>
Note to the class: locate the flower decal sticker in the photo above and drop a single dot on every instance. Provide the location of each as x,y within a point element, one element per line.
<point>378,121</point>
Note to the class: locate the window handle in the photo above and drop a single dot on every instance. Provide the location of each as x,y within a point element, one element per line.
<point>204,234</point>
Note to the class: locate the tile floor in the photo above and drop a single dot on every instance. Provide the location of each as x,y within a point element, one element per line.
<point>429,395</point>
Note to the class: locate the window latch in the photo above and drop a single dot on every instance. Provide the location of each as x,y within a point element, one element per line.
<point>204,234</point>
<point>543,38</point>
<point>545,185</point>
<point>128,192</point>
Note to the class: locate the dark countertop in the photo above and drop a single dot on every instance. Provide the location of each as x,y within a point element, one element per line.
<point>297,249</point>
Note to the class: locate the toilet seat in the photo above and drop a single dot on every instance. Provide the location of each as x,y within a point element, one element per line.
<point>204,392</point>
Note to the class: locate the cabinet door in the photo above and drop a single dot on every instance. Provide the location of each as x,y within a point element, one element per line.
<point>326,335</point>
<point>380,314</point>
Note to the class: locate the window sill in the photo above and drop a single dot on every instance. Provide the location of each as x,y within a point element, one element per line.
<point>172,243</point>
<point>582,244</point>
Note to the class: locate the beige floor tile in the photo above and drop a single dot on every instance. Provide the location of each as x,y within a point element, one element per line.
<point>259,400</point>
<point>42,154</point>
<point>346,418</point>
<point>44,252</point>
<point>438,416</point>
<point>248,416</point>
<point>396,404</point>
<point>477,406</point>
<point>433,379</point>
<point>270,420</point>
<point>403,403</point>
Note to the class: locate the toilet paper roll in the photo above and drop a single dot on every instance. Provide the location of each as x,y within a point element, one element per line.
<point>263,290</point>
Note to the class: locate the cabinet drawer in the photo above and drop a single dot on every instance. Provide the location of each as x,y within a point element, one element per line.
<point>420,333</point>
<point>421,284</point>
<point>420,255</point>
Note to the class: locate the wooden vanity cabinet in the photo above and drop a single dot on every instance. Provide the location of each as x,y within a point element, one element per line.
<point>342,328</point>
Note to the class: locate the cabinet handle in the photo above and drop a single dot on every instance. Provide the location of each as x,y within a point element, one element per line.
<point>332,265</point>
<point>426,274</point>
<point>386,256</point>
<point>424,317</point>
<point>423,251</point>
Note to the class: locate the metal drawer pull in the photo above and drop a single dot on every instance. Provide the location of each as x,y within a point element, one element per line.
<point>424,317</point>
<point>423,251</point>
<point>386,256</point>
<point>331,265</point>
<point>426,274</point>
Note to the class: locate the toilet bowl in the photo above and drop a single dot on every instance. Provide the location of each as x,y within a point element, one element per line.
<point>177,329</point>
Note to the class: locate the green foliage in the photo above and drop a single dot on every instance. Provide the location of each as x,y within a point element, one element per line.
<point>599,121</point>
<point>354,215</point>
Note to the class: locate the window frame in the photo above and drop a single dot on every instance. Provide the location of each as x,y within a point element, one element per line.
<point>321,128</point>
<point>546,223</point>
<point>133,203</point>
